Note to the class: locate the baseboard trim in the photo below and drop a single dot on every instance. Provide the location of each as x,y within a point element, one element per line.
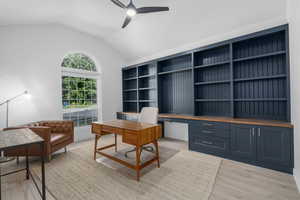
<point>297,178</point>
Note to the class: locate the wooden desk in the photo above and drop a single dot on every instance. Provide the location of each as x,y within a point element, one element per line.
<point>133,133</point>
<point>23,138</point>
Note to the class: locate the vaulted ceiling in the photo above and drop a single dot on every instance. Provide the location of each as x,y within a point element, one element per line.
<point>188,20</point>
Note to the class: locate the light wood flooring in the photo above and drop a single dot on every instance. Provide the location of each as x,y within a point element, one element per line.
<point>235,181</point>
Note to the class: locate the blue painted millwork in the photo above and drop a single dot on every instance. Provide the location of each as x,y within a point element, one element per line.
<point>266,146</point>
<point>244,77</point>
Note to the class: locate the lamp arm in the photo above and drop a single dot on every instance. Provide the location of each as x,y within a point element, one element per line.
<point>8,100</point>
<point>4,102</point>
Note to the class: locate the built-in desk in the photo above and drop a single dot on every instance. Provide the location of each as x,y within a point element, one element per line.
<point>164,117</point>
<point>260,142</point>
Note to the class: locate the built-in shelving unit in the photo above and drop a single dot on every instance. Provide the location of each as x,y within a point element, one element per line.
<point>139,88</point>
<point>212,81</point>
<point>174,84</point>
<point>245,77</point>
<point>260,77</point>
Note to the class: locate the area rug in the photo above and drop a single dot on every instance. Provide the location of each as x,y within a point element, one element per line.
<point>182,176</point>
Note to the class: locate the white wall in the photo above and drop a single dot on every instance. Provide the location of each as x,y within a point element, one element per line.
<point>220,36</point>
<point>294,21</point>
<point>30,59</point>
<point>176,130</point>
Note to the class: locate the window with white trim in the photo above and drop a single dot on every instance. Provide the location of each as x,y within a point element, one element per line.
<point>79,89</point>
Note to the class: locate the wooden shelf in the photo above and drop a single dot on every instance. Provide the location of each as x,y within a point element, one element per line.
<point>130,90</point>
<point>260,78</point>
<point>214,100</point>
<point>212,64</point>
<point>177,70</point>
<point>263,99</point>
<point>147,101</point>
<point>212,82</point>
<point>151,88</point>
<point>260,56</point>
<point>129,79</point>
<point>147,76</point>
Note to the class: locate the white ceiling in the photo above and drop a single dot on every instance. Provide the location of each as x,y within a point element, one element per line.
<point>188,20</point>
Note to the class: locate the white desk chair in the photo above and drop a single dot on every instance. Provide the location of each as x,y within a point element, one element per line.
<point>148,115</point>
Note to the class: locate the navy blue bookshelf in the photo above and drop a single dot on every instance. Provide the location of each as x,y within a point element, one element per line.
<point>244,77</point>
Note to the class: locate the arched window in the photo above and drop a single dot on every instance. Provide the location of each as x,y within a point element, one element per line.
<point>79,61</point>
<point>79,89</point>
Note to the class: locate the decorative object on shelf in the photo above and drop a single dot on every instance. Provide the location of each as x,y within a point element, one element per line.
<point>25,93</point>
<point>131,10</point>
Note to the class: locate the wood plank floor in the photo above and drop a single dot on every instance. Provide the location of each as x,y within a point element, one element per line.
<point>235,181</point>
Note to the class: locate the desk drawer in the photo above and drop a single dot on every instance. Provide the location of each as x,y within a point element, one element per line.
<point>130,137</point>
<point>108,129</point>
<point>212,145</point>
<point>209,129</point>
<point>96,128</point>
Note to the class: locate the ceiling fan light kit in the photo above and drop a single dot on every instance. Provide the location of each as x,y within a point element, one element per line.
<point>131,10</point>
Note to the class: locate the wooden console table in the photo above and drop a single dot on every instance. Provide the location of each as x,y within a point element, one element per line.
<point>23,138</point>
<point>133,133</point>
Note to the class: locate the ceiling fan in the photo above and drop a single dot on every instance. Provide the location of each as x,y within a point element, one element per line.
<point>131,10</point>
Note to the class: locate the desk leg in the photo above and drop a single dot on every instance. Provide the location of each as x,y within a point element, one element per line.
<point>116,148</point>
<point>138,160</point>
<point>96,143</point>
<point>43,172</point>
<point>27,164</point>
<point>157,152</point>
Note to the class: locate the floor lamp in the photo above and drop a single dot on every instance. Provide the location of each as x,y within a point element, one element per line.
<point>2,157</point>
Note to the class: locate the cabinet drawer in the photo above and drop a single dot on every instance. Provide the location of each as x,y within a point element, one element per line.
<point>130,137</point>
<point>210,129</point>
<point>108,129</point>
<point>212,145</point>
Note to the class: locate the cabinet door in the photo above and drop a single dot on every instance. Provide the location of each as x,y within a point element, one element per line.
<point>274,145</point>
<point>243,143</point>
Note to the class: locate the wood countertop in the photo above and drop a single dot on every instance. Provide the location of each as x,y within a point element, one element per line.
<point>124,124</point>
<point>223,119</point>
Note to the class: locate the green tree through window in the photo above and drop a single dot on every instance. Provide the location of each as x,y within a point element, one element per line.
<point>79,94</point>
<point>79,61</point>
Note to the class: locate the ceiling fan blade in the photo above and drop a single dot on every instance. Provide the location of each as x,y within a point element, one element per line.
<point>118,3</point>
<point>151,9</point>
<point>127,21</point>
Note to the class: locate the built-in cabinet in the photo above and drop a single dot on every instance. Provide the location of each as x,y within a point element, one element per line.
<point>266,146</point>
<point>243,142</point>
<point>245,77</point>
<point>263,143</point>
<point>274,145</point>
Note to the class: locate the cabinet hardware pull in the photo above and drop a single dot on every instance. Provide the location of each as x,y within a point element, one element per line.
<point>258,132</point>
<point>253,132</point>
